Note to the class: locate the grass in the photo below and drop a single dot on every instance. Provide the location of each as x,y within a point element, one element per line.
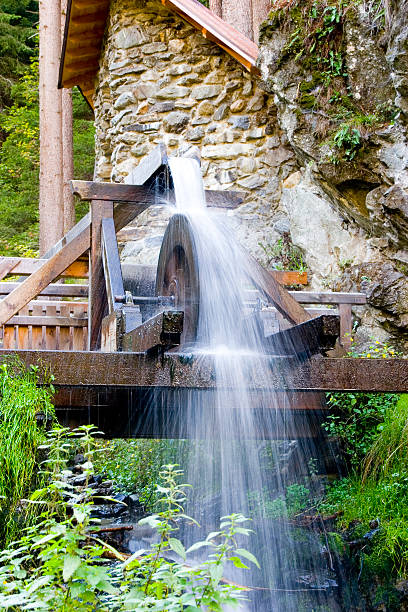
<point>21,435</point>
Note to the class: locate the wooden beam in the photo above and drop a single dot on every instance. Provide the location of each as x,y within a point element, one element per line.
<point>157,334</point>
<point>289,277</point>
<point>100,209</point>
<point>7,264</point>
<point>136,370</point>
<point>28,265</point>
<point>51,290</point>
<point>56,321</point>
<point>281,298</point>
<point>111,264</point>
<point>139,194</point>
<point>328,297</point>
<point>305,339</point>
<point>43,276</point>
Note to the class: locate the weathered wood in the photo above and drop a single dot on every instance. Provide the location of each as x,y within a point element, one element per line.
<point>328,297</point>
<point>110,332</point>
<point>159,333</point>
<point>136,370</point>
<point>290,277</point>
<point>148,166</point>
<point>78,228</point>
<point>48,321</point>
<point>28,265</point>
<point>140,194</point>
<point>305,339</point>
<point>100,209</point>
<point>51,290</point>
<point>346,325</point>
<point>282,299</point>
<point>43,276</point>
<point>111,263</point>
<point>6,265</point>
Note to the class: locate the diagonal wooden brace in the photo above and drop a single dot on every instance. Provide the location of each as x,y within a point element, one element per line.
<point>43,276</point>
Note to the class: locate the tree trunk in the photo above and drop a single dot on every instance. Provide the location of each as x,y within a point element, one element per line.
<point>67,144</point>
<point>216,7</point>
<point>51,196</point>
<point>238,13</point>
<point>260,10</point>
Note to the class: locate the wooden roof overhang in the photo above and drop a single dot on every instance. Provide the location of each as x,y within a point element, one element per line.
<point>85,26</point>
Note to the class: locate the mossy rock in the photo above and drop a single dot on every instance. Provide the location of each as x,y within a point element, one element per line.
<point>307,101</point>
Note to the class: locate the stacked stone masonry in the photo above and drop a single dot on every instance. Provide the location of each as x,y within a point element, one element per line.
<point>162,81</point>
<point>159,81</point>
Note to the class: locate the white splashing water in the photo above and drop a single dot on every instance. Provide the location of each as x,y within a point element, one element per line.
<point>227,469</point>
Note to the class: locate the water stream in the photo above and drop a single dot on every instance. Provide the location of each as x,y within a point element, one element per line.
<point>234,466</point>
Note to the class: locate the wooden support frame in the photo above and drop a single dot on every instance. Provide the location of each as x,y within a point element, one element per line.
<point>156,335</point>
<point>43,276</point>
<point>111,263</point>
<point>100,209</point>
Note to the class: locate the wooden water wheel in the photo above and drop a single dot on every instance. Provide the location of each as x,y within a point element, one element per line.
<point>177,273</point>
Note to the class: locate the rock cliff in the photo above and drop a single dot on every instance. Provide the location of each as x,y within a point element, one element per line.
<point>338,74</point>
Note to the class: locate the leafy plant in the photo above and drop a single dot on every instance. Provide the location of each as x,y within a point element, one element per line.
<point>22,401</point>
<point>348,138</point>
<point>295,499</point>
<point>283,255</point>
<point>59,564</point>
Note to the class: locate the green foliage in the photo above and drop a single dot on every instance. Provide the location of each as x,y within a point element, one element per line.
<point>389,452</point>
<point>19,163</point>
<point>17,40</point>
<point>357,418</point>
<point>58,564</point>
<point>135,465</point>
<point>293,502</point>
<point>348,139</point>
<point>22,400</point>
<point>283,255</point>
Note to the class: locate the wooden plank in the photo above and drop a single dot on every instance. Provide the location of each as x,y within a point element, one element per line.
<point>328,297</point>
<point>159,333</point>
<point>346,325</point>
<point>28,265</point>
<point>43,276</point>
<point>9,337</point>
<point>111,264</point>
<point>290,277</point>
<point>110,333</point>
<point>22,332</point>
<point>100,209</point>
<point>148,166</point>
<point>79,227</point>
<point>305,339</point>
<point>65,343</point>
<point>140,194</point>
<point>136,370</point>
<point>55,289</point>
<point>62,321</point>
<point>37,335</point>
<point>281,298</point>
<point>6,265</point>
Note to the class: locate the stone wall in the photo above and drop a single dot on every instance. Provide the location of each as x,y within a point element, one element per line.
<point>162,81</point>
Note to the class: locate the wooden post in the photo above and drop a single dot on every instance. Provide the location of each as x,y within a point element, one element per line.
<point>51,202</point>
<point>216,7</point>
<point>67,144</point>
<point>100,209</point>
<point>238,13</point>
<point>346,325</point>
<point>260,10</point>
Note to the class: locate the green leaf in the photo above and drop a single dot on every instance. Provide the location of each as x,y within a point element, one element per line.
<point>216,572</point>
<point>178,547</point>
<point>197,545</point>
<point>247,555</point>
<point>238,563</point>
<point>71,564</point>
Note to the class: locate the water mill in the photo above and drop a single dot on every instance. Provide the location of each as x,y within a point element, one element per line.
<point>228,312</point>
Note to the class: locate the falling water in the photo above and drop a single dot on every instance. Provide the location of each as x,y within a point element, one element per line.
<point>235,466</point>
